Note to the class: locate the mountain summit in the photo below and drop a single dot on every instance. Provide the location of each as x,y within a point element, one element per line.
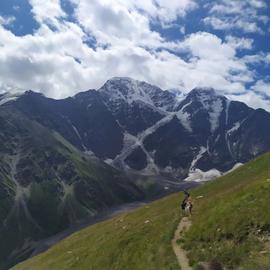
<point>137,127</point>
<point>151,130</point>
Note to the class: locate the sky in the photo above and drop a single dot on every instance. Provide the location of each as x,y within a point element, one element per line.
<point>61,47</point>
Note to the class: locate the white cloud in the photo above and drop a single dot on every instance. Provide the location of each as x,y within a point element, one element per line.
<point>208,46</point>
<point>252,99</point>
<point>118,21</point>
<point>16,8</point>
<point>58,62</point>
<point>262,87</point>
<point>240,43</point>
<point>7,20</point>
<point>162,10</point>
<point>242,15</point>
<point>47,11</point>
<point>168,11</point>
<point>115,23</point>
<point>182,30</point>
<point>259,58</point>
<point>229,23</point>
<point>47,61</point>
<point>258,3</point>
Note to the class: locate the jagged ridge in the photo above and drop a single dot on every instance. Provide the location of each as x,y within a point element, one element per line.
<point>127,115</point>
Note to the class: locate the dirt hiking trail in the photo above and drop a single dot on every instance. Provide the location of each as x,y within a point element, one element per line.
<point>181,255</point>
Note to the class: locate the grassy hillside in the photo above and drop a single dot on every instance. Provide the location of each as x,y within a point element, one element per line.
<point>231,223</point>
<point>138,240</point>
<point>231,226</point>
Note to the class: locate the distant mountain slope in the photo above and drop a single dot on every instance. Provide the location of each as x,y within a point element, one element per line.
<point>83,120</point>
<point>46,185</point>
<point>230,228</point>
<point>138,127</point>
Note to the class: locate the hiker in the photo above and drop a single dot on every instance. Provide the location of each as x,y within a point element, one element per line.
<point>187,203</point>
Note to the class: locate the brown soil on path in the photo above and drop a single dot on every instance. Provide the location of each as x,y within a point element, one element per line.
<point>181,255</point>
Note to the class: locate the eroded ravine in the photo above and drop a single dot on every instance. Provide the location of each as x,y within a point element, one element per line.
<point>20,205</point>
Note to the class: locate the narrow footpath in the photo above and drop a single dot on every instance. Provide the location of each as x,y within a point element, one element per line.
<point>181,255</point>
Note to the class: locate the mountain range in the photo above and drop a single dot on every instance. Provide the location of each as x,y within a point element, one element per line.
<point>135,126</point>
<point>64,160</point>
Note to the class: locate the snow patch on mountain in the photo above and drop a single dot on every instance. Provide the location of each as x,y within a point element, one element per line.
<point>235,127</point>
<point>7,97</point>
<point>228,103</point>
<point>197,158</point>
<point>151,167</point>
<point>215,112</point>
<point>109,161</point>
<point>126,89</point>
<point>228,133</point>
<point>79,137</point>
<point>212,103</point>
<point>157,125</point>
<point>184,117</point>
<point>179,95</point>
<point>130,143</point>
<point>236,166</point>
<point>119,91</point>
<point>196,174</point>
<point>200,176</point>
<point>137,93</point>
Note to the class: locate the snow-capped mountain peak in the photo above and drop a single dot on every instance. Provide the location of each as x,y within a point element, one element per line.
<point>127,89</point>
<point>138,126</point>
<point>7,97</point>
<point>208,100</point>
<point>203,91</point>
<point>124,89</point>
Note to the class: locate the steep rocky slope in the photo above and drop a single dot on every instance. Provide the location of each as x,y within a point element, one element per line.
<point>47,185</point>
